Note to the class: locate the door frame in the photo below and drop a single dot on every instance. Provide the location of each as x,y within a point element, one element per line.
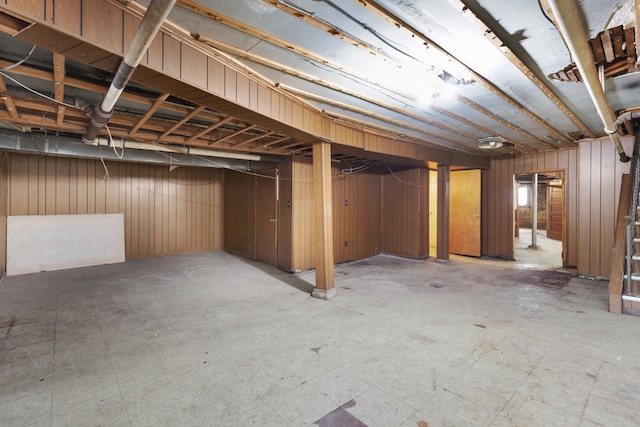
<point>563,174</point>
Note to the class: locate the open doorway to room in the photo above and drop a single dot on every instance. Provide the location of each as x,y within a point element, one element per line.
<point>539,216</point>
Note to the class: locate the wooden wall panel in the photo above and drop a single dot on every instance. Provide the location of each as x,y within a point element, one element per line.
<point>285,216</point>
<point>158,205</point>
<point>302,222</point>
<point>403,190</point>
<point>103,23</point>
<point>599,175</point>
<point>592,190</point>
<point>357,214</point>
<point>239,209</point>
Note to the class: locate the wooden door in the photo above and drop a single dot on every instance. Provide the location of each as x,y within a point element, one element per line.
<point>555,209</point>
<point>266,219</point>
<point>464,212</point>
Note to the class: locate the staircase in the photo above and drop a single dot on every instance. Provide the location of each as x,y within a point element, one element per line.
<point>631,286</point>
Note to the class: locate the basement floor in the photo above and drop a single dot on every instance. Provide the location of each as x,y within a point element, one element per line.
<point>214,339</point>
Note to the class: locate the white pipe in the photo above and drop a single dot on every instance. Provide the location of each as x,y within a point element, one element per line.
<point>152,20</point>
<point>630,298</point>
<point>126,143</point>
<point>534,212</point>
<point>570,25</point>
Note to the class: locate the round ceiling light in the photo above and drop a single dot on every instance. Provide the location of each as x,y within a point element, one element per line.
<point>491,142</point>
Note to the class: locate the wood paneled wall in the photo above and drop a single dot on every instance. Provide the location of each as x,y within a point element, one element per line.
<point>406,212</point>
<point>600,174</point>
<point>497,226</point>
<point>165,212</point>
<point>356,222</point>
<point>285,216</point>
<point>592,190</point>
<point>251,214</point>
<point>239,213</point>
<point>4,209</point>
<point>357,214</point>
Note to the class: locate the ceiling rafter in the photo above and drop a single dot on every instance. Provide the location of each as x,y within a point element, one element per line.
<point>182,121</point>
<point>8,100</point>
<point>501,46</point>
<point>209,129</point>
<point>327,28</point>
<point>479,127</point>
<point>386,119</point>
<point>261,35</point>
<point>386,132</point>
<point>402,111</point>
<point>499,119</point>
<point>233,135</point>
<point>277,141</point>
<point>256,138</point>
<point>150,112</point>
<point>383,13</point>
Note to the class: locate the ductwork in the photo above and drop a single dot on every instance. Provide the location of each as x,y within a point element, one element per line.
<point>133,152</point>
<point>151,22</point>
<point>572,30</point>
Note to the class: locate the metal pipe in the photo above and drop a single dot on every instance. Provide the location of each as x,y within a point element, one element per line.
<point>534,212</point>
<point>570,25</point>
<point>151,22</point>
<point>630,298</point>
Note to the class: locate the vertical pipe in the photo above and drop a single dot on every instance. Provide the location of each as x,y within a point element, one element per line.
<point>534,212</point>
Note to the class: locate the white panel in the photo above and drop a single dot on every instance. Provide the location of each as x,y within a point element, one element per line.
<point>54,242</point>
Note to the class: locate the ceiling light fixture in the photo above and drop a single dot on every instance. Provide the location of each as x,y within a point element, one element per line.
<point>491,142</point>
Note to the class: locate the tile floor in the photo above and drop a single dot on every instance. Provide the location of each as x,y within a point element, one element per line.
<point>213,339</point>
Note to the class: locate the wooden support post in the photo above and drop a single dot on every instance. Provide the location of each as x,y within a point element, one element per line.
<point>442,252</point>
<point>323,221</point>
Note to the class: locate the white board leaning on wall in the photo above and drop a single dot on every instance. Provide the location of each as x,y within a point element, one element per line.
<point>55,242</point>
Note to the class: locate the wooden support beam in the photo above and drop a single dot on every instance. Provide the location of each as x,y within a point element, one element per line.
<point>276,141</point>
<point>231,135</point>
<point>59,72</point>
<point>209,129</point>
<point>442,251</point>
<point>8,100</point>
<point>323,221</point>
<point>156,104</point>
<point>182,121</point>
<point>255,138</point>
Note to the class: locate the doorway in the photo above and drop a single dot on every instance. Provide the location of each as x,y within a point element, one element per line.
<point>539,218</point>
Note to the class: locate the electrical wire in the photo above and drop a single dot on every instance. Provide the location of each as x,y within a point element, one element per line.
<point>403,181</point>
<point>121,155</point>
<point>35,92</point>
<point>22,61</point>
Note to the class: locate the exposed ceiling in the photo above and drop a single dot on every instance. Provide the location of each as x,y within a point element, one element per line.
<point>457,74</point>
